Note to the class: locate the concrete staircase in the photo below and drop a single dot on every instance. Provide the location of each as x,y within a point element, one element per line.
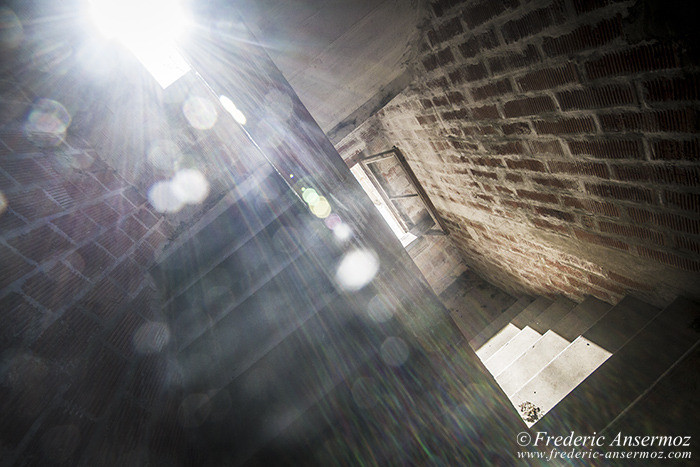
<point>585,365</point>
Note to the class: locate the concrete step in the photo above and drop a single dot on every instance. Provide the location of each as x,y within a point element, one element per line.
<point>497,325</point>
<point>669,408</point>
<point>581,318</point>
<point>575,323</point>
<point>521,342</point>
<point>512,328</point>
<point>586,353</point>
<point>549,317</point>
<point>631,371</point>
<point>512,349</point>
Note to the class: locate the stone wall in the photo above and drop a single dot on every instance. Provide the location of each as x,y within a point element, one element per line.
<point>558,141</point>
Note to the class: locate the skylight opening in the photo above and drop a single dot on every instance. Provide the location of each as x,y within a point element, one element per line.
<point>149,29</point>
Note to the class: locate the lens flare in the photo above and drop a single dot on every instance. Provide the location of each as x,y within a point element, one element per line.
<point>3,202</point>
<point>200,112</point>
<point>357,269</point>
<point>163,199</point>
<point>231,108</point>
<point>11,30</point>
<point>151,337</point>
<point>378,311</point>
<point>394,351</point>
<point>164,155</point>
<point>149,29</point>
<point>190,186</point>
<point>310,196</point>
<point>47,123</point>
<point>321,208</point>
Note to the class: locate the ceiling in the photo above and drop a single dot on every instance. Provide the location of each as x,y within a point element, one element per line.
<point>338,55</point>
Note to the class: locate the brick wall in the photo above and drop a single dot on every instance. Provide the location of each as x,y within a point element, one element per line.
<point>77,241</point>
<point>558,139</point>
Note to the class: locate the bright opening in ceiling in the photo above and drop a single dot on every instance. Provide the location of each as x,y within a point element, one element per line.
<point>149,29</point>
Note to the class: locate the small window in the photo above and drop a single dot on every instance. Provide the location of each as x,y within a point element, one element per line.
<point>393,187</point>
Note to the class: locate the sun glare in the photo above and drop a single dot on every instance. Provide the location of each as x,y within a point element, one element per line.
<point>149,28</point>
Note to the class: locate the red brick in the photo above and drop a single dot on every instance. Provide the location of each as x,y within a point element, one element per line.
<point>485,112</point>
<point>481,173</point>
<point>532,23</point>
<point>445,31</point>
<point>546,147</point>
<point>133,195</point>
<point>593,207</point>
<point>474,15</point>
<point>109,179</point>
<point>144,255</point>
<point>128,275</point>
<point>517,128</point>
<point>600,240</point>
<point>676,149</point>
<point>608,149</point>
<point>555,183</point>
<point>468,73</point>
<point>40,244</point>
<point>13,266</point>
<point>427,119</point>
<point>104,300</point>
<point>584,6</point>
<point>455,98</point>
<point>639,59</point>
<point>115,241</point>
<point>77,226</point>
<point>526,164</point>
<point>85,188</point>
<point>97,383</point>
<point>628,282</point>
<point>665,219</point>
<point>554,213</point>
<point>90,260</point>
<point>686,243</point>
<point>686,201</point>
<point>464,145</point>
<point>605,284</point>
<point>33,205</point>
<point>20,320</point>
<point>674,175</point>
<point>595,169</point>
<point>584,37</point>
<point>528,106</point>
<point>565,126</point>
<point>632,231</point>
<point>133,228</point>
<point>494,89</point>
<point>514,61</point>
<point>548,78</point>
<point>487,161</point>
<point>124,332</point>
<point>514,178</point>
<point>54,289</point>
<point>26,171</point>
<point>543,224</point>
<point>102,214</point>
<point>680,121</point>
<point>620,192</point>
<point>596,98</point>
<point>440,101</point>
<point>670,259</point>
<point>460,114</point>
<point>685,88</point>
<point>537,196</point>
<point>475,44</point>
<point>511,147</point>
